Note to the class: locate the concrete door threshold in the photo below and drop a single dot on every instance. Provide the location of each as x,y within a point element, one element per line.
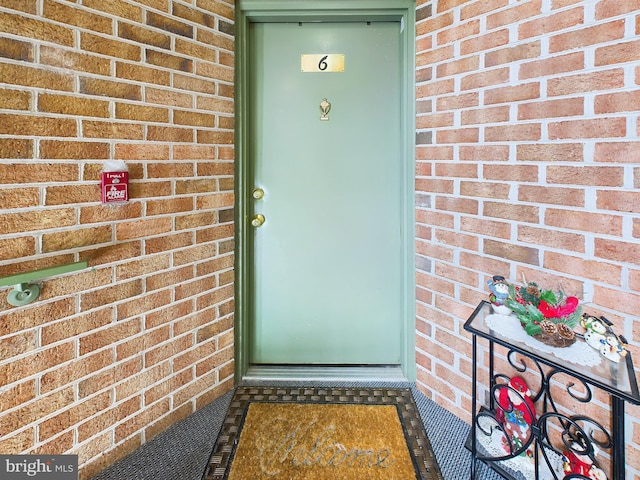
<point>383,373</point>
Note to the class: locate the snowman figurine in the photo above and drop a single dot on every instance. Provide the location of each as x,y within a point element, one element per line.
<point>612,348</point>
<point>499,293</point>
<point>602,338</point>
<point>595,331</point>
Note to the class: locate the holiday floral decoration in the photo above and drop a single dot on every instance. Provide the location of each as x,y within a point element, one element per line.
<point>547,315</point>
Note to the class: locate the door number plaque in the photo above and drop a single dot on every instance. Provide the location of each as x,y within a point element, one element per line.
<point>322,62</point>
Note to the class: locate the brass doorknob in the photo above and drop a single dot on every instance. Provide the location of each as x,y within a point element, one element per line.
<point>257,220</point>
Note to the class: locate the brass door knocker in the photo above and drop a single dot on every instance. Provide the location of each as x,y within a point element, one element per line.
<point>324,108</point>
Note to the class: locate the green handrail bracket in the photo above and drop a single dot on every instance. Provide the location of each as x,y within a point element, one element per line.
<point>25,292</point>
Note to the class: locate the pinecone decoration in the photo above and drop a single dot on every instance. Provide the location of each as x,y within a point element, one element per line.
<point>530,293</point>
<point>565,331</point>
<point>548,327</point>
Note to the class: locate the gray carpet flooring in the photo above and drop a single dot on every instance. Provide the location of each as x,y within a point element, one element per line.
<point>182,451</point>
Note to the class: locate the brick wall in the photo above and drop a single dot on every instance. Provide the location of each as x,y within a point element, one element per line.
<point>527,162</point>
<point>110,356</point>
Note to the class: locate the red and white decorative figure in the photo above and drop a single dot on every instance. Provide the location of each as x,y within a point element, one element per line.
<point>516,414</point>
<point>576,463</point>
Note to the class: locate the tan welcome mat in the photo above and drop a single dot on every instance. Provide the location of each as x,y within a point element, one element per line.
<point>320,433</point>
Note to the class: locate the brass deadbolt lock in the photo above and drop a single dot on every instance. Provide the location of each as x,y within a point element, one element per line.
<point>258,193</point>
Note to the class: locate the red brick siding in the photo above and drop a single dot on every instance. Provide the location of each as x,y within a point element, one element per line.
<point>109,357</point>
<point>526,164</point>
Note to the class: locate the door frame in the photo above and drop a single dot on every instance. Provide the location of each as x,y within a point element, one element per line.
<point>250,11</point>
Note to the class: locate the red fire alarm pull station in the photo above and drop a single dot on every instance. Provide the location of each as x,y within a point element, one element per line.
<point>115,187</point>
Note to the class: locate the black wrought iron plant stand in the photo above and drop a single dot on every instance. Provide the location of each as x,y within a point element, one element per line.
<point>554,432</point>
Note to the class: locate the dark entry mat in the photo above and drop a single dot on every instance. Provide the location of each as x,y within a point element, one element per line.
<point>295,433</point>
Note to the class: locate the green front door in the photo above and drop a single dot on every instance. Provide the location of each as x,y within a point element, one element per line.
<point>326,265</point>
